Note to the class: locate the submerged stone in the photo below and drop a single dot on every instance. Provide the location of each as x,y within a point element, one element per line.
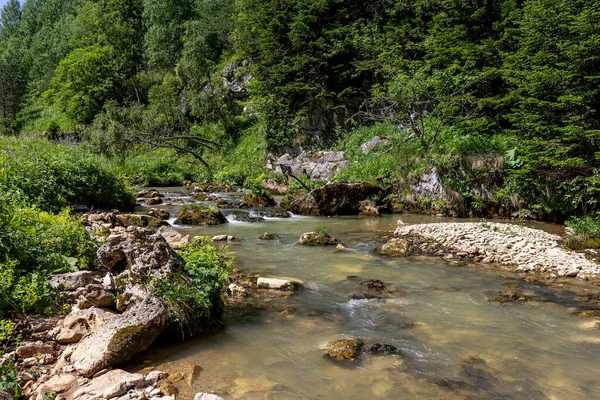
<point>344,349</point>
<point>383,349</point>
<point>395,247</point>
<point>279,283</point>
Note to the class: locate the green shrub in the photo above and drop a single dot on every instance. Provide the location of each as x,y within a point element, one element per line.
<point>193,298</point>
<point>33,244</point>
<point>52,176</point>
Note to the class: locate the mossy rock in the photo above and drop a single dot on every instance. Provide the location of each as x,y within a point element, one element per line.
<point>194,215</point>
<point>159,213</point>
<point>344,349</point>
<point>257,200</point>
<point>268,236</point>
<point>317,239</point>
<point>145,221</point>
<point>395,247</point>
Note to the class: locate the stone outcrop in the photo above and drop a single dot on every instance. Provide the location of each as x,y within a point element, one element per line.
<point>120,337</point>
<point>174,238</point>
<point>243,216</point>
<point>318,165</point>
<point>79,323</point>
<point>139,252</point>
<point>510,246</point>
<point>339,198</point>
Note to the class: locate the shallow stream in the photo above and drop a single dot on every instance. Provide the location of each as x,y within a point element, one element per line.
<point>454,343</point>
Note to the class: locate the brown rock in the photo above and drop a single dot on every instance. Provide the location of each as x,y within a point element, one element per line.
<point>27,350</point>
<point>344,350</point>
<point>120,337</point>
<point>395,247</point>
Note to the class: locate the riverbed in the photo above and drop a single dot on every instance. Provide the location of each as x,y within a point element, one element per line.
<point>453,342</point>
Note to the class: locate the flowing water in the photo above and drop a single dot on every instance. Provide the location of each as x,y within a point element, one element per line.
<point>453,342</point>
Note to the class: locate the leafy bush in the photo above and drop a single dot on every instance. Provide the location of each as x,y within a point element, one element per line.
<point>34,243</point>
<point>52,176</point>
<point>195,297</point>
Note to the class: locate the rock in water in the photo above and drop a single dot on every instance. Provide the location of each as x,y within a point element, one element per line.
<point>207,396</point>
<point>257,200</point>
<point>317,239</point>
<point>395,248</point>
<point>120,337</point>
<point>339,198</point>
<point>344,350</point>
<point>383,349</point>
<point>200,216</point>
<point>279,283</point>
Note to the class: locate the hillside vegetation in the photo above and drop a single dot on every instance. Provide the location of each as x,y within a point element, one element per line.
<point>510,85</point>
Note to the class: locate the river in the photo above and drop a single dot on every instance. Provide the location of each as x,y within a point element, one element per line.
<point>453,342</point>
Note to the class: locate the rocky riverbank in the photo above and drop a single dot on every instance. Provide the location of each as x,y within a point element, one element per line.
<point>508,246</point>
<point>114,314</point>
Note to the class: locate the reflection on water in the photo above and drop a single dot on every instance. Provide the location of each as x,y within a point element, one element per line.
<point>453,342</point>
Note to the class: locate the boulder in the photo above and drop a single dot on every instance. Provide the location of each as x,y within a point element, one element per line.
<point>150,193</point>
<point>97,296</point>
<point>318,165</point>
<point>339,198</point>
<point>223,238</point>
<point>268,236</point>
<point>396,247</point>
<point>317,239</point>
<point>71,281</point>
<point>120,337</point>
<point>243,216</point>
<point>141,220</point>
<point>174,238</point>
<point>383,349</point>
<point>159,213</point>
<point>344,349</point>
<point>30,349</point>
<point>78,324</point>
<point>252,199</point>
<point>279,283</point>
<point>154,201</point>
<point>377,141</point>
<point>200,216</point>
<point>207,396</point>
<point>58,384</point>
<point>367,210</point>
<point>141,252</point>
<point>112,384</point>
<point>273,213</point>
<point>275,187</point>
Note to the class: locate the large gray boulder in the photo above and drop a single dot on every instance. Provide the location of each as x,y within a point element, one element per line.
<point>120,337</point>
<point>318,165</point>
<point>139,252</point>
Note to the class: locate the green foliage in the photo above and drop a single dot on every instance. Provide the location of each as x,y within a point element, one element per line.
<point>52,176</point>
<point>7,328</point>
<point>585,226</point>
<point>34,243</point>
<point>9,379</point>
<point>192,299</point>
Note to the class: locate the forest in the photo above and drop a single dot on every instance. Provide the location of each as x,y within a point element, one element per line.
<point>222,83</point>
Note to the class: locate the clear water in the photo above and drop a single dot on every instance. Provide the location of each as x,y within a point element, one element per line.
<point>453,342</point>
